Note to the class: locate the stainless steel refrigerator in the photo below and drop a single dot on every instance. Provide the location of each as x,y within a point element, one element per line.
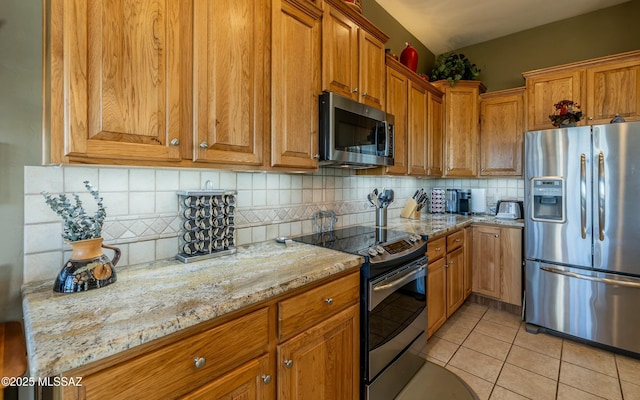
<point>582,232</point>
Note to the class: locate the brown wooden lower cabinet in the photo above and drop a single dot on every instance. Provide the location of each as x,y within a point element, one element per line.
<point>270,352</point>
<point>481,259</point>
<point>446,278</point>
<point>497,257</point>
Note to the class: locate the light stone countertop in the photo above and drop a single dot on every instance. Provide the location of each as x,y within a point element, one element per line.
<point>150,301</point>
<point>435,225</point>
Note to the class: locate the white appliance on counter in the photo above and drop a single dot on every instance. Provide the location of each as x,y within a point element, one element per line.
<point>582,191</point>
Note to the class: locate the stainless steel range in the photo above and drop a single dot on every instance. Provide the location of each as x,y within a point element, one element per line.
<point>393,303</point>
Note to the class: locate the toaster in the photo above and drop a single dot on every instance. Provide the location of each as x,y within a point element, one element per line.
<point>509,209</point>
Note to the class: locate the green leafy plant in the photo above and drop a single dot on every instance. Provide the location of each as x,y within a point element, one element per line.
<point>454,67</point>
<point>78,225</point>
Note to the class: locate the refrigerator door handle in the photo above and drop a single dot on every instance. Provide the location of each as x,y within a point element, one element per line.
<point>583,195</point>
<point>592,278</point>
<point>601,200</point>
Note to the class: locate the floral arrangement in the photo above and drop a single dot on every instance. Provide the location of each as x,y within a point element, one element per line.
<point>78,225</point>
<point>567,113</point>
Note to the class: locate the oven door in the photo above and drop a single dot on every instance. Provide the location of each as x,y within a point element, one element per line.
<point>397,313</point>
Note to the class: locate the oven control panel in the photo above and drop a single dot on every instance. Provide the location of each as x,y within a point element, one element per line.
<point>400,248</point>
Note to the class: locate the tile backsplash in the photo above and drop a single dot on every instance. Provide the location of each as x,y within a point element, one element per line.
<point>142,205</point>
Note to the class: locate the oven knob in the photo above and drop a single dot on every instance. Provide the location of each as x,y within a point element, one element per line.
<point>379,249</point>
<point>372,252</point>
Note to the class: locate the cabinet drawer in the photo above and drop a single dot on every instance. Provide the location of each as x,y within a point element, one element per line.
<point>436,249</point>
<point>455,240</point>
<point>171,371</point>
<point>307,309</point>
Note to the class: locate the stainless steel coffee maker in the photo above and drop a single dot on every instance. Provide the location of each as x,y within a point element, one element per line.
<point>464,201</point>
<point>451,201</point>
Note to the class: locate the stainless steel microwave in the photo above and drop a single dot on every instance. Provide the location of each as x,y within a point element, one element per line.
<point>353,134</point>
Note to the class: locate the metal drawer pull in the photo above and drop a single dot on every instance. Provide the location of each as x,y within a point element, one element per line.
<point>329,301</point>
<point>593,278</point>
<point>438,249</point>
<point>266,379</point>
<point>288,363</point>
<point>458,240</point>
<point>200,362</point>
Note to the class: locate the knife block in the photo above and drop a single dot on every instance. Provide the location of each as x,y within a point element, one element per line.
<point>410,210</point>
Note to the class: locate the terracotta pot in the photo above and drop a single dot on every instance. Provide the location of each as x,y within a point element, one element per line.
<point>87,268</point>
<point>409,57</point>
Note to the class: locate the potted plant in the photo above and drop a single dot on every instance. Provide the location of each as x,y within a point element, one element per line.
<point>88,267</point>
<point>454,67</point>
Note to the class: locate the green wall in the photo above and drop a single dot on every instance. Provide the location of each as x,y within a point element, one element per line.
<point>398,35</point>
<point>596,34</point>
<point>20,136</point>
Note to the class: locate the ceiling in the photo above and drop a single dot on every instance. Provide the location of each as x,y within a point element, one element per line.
<point>445,25</point>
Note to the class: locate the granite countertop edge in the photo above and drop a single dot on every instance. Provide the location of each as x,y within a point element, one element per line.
<point>152,300</point>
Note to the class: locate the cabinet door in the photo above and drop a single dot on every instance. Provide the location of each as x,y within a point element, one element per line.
<point>435,135</point>
<point>468,261</point>
<point>436,296</point>
<point>546,90</point>
<point>613,89</point>
<point>295,85</point>
<point>231,90</point>
<point>372,71</point>
<point>511,248</point>
<point>397,96</point>
<point>455,280</point>
<point>487,261</point>
<point>461,129</point>
<point>322,362</point>
<point>116,79</point>
<point>417,129</point>
<point>501,132</point>
<point>339,54</point>
<point>252,381</point>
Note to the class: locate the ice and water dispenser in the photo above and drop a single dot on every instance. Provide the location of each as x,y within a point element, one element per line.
<point>547,199</point>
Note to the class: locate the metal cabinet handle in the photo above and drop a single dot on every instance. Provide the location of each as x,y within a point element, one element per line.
<point>200,362</point>
<point>204,145</point>
<point>437,248</point>
<point>458,240</point>
<point>288,363</point>
<point>266,379</point>
<point>497,236</point>
<point>175,142</point>
<point>365,94</point>
<point>329,301</point>
<point>316,156</point>
<point>355,90</point>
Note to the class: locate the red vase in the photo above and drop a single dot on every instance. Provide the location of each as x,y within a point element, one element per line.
<point>409,57</point>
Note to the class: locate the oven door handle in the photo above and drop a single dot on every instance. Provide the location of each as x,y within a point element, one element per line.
<point>399,281</point>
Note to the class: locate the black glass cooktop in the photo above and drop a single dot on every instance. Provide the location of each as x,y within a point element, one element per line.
<point>352,239</point>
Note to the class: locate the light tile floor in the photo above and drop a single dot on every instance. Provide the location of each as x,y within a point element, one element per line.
<point>492,352</point>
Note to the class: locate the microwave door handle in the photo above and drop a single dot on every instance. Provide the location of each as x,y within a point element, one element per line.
<point>583,195</point>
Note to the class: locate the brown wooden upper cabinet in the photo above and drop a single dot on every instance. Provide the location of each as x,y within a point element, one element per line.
<point>417,109</point>
<point>295,78</point>
<point>603,87</point>
<point>461,116</point>
<point>113,76</point>
<point>501,132</point>
<point>353,59</point>
<point>230,80</point>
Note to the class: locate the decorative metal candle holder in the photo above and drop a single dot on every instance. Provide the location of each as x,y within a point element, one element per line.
<point>208,228</point>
